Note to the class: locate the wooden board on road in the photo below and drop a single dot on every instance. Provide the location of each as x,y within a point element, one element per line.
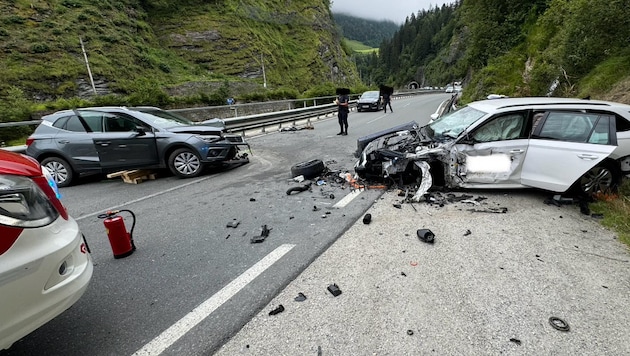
<point>134,176</point>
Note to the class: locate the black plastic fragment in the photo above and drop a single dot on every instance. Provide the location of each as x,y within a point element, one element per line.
<point>315,208</point>
<point>300,297</point>
<point>299,189</point>
<point>397,206</point>
<point>252,199</point>
<point>425,235</point>
<point>409,332</point>
<point>263,235</point>
<point>468,232</point>
<point>515,340</point>
<point>278,310</point>
<point>559,324</point>
<point>233,224</point>
<point>367,218</point>
<point>334,289</point>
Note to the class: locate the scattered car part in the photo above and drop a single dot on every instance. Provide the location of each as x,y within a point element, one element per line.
<point>334,289</point>
<point>397,206</point>
<point>315,208</point>
<point>299,179</point>
<point>367,219</point>
<point>426,235</point>
<point>277,310</point>
<point>300,297</point>
<point>309,169</point>
<point>559,324</point>
<point>263,235</point>
<point>501,210</point>
<point>299,189</point>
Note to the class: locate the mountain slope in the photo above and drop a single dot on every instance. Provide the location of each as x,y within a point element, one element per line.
<point>155,45</point>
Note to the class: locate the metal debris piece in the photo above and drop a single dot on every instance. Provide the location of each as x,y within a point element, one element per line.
<point>425,235</point>
<point>367,219</point>
<point>559,324</point>
<point>501,210</point>
<point>263,235</point>
<point>278,310</point>
<point>299,189</point>
<point>300,297</point>
<point>233,224</point>
<point>334,289</point>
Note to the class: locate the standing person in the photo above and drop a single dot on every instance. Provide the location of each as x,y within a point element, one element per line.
<point>387,97</point>
<point>342,101</point>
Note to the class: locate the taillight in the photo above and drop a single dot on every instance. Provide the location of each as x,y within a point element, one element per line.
<point>29,140</point>
<point>23,204</point>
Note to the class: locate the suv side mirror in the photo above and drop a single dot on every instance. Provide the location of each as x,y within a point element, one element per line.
<point>141,131</point>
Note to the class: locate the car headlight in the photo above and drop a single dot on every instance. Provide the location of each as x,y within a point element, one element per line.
<point>209,138</point>
<point>24,204</point>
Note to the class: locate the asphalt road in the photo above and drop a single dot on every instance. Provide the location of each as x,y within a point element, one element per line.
<point>193,282</point>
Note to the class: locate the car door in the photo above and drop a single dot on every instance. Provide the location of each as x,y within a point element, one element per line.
<point>492,154</point>
<point>74,140</point>
<point>564,146</point>
<point>122,146</point>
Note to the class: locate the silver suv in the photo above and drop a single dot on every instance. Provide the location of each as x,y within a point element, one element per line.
<point>73,143</point>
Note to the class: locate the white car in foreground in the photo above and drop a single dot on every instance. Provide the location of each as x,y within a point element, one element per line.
<point>45,266</point>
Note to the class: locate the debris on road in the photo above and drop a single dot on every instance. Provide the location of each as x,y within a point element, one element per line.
<point>501,210</point>
<point>367,219</point>
<point>409,332</point>
<point>300,297</point>
<point>516,341</point>
<point>468,232</point>
<point>278,310</point>
<point>134,176</point>
<point>425,235</point>
<point>559,324</point>
<point>263,235</point>
<point>309,169</point>
<point>233,224</point>
<point>299,189</point>
<point>334,289</point>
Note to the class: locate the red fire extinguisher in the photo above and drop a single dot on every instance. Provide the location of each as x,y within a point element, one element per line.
<point>120,240</point>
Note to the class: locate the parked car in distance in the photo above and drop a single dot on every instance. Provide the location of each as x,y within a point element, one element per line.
<point>449,89</point>
<point>370,101</point>
<point>73,143</point>
<point>552,144</point>
<point>45,266</point>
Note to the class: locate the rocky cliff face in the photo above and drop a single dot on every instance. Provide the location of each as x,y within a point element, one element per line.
<point>135,44</point>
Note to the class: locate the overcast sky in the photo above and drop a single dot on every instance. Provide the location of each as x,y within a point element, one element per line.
<point>394,10</point>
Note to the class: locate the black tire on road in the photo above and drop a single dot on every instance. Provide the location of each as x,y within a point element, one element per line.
<point>309,169</point>
<point>60,170</point>
<point>605,178</point>
<point>185,163</point>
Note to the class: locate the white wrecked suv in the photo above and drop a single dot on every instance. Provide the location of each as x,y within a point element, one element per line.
<point>553,144</point>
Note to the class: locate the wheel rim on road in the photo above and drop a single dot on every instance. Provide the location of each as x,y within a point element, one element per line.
<point>58,171</point>
<point>187,163</point>
<point>598,179</point>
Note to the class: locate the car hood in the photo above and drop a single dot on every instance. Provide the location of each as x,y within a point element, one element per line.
<point>197,130</point>
<point>368,100</point>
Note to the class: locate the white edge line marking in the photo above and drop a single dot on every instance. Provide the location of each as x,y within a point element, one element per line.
<point>143,198</point>
<point>348,198</point>
<point>169,336</point>
<point>378,118</point>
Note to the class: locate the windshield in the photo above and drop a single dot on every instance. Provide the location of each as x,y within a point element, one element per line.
<point>370,95</point>
<point>164,119</point>
<point>452,124</point>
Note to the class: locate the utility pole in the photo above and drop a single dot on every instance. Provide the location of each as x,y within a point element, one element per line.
<point>262,60</point>
<point>88,65</point>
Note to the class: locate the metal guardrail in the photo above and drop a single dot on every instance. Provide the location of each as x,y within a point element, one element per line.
<point>251,122</point>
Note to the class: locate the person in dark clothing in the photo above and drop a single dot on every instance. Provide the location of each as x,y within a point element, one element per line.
<point>386,94</point>
<point>342,101</point>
